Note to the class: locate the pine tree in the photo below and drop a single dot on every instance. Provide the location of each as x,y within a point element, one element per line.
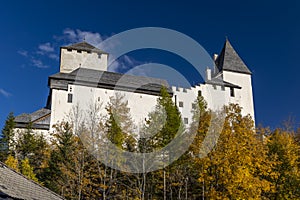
<point>7,140</point>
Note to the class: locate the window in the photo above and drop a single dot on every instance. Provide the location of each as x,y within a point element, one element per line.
<point>78,51</point>
<point>199,93</point>
<point>232,92</point>
<point>223,88</point>
<point>184,90</point>
<point>69,49</point>
<point>215,87</point>
<point>180,103</point>
<point>194,106</point>
<point>186,120</point>
<point>70,98</point>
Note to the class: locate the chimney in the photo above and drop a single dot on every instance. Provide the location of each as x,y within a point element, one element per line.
<point>208,74</point>
<point>215,56</point>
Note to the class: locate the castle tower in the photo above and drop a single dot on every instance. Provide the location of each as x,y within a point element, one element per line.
<point>235,71</point>
<point>82,55</point>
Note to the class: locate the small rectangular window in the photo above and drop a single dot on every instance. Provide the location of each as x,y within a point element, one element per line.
<point>199,93</point>
<point>194,106</point>
<point>180,103</point>
<point>184,90</point>
<point>69,49</point>
<point>70,98</point>
<point>215,87</point>
<point>186,120</point>
<point>78,51</point>
<point>232,92</point>
<point>223,88</point>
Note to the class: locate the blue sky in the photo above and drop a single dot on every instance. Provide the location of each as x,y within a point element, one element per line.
<point>264,33</point>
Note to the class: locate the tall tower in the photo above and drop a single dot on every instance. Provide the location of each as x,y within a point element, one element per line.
<point>82,55</point>
<point>235,71</point>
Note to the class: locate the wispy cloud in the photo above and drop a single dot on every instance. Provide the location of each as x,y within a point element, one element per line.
<point>77,35</point>
<point>39,63</point>
<point>5,93</point>
<point>46,47</point>
<point>23,53</point>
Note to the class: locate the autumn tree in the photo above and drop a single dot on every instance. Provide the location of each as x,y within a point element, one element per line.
<point>285,152</point>
<point>235,167</point>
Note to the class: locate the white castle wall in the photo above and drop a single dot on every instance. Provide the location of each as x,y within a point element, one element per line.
<point>140,104</point>
<point>73,59</point>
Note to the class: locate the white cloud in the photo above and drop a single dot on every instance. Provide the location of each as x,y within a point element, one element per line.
<point>4,93</point>
<point>46,47</point>
<point>38,63</point>
<point>74,36</point>
<point>23,53</point>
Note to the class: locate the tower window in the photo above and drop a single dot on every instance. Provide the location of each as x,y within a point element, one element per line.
<point>180,103</point>
<point>199,93</point>
<point>232,92</point>
<point>186,120</point>
<point>70,98</point>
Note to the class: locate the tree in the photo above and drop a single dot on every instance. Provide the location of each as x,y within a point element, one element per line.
<point>27,170</point>
<point>285,152</point>
<point>7,140</point>
<point>235,168</point>
<point>34,146</point>
<point>12,163</point>
<point>162,126</point>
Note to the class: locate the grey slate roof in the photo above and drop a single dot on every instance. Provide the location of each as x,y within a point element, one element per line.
<point>14,185</point>
<point>84,46</point>
<point>219,81</point>
<point>40,119</point>
<point>108,80</point>
<point>229,60</point>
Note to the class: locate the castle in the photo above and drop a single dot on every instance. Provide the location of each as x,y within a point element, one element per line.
<point>83,78</point>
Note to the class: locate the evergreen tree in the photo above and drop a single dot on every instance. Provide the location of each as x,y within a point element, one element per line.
<point>33,146</point>
<point>7,140</point>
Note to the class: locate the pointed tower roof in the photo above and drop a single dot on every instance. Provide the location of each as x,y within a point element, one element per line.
<point>229,60</point>
<point>84,46</point>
